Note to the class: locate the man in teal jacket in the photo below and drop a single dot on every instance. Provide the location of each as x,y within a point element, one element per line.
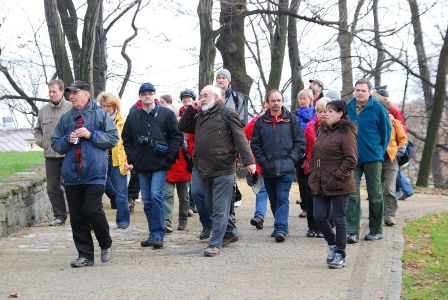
<point>374,131</point>
<point>84,134</point>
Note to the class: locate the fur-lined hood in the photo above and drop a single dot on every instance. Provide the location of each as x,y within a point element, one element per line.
<point>343,126</point>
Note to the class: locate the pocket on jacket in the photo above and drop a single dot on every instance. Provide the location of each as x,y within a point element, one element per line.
<point>222,158</point>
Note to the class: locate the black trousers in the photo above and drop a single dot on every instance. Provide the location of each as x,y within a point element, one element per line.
<point>86,213</point>
<point>304,189</point>
<point>337,207</point>
<point>53,172</point>
<point>133,186</point>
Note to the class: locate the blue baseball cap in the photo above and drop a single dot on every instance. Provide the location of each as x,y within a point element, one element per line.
<point>146,87</point>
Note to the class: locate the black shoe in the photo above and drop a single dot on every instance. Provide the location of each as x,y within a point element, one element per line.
<point>273,234</point>
<point>352,238</point>
<point>229,238</point>
<point>311,233</point>
<point>279,237</point>
<point>337,262</point>
<point>257,222</point>
<point>331,253</point>
<point>153,242</point>
<point>81,262</point>
<point>319,234</point>
<point>106,254</point>
<point>373,237</point>
<point>205,233</point>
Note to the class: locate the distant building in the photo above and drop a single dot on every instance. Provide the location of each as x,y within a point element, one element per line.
<point>18,139</point>
<point>6,122</point>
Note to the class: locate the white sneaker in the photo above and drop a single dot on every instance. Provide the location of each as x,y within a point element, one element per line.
<point>237,203</point>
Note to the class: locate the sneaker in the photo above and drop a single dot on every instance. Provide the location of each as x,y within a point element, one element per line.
<point>311,233</point>
<point>190,212</point>
<point>319,234</point>
<point>299,201</point>
<point>237,203</point>
<point>404,197</point>
<point>279,237</point>
<point>389,221</point>
<point>81,262</point>
<point>57,222</point>
<point>331,253</point>
<point>211,251</point>
<point>182,226</point>
<point>352,238</point>
<point>302,214</point>
<point>122,226</point>
<point>205,233</point>
<point>229,238</point>
<point>273,234</point>
<point>257,222</point>
<point>337,262</point>
<point>167,227</point>
<point>106,255</point>
<point>373,236</point>
<point>156,243</point>
<point>195,210</point>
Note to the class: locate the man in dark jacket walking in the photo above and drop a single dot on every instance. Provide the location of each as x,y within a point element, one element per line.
<point>152,142</point>
<point>84,134</point>
<point>219,136</point>
<point>278,145</point>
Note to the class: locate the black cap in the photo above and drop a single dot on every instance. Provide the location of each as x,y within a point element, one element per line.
<point>78,85</point>
<point>146,87</point>
<point>383,92</point>
<point>187,93</point>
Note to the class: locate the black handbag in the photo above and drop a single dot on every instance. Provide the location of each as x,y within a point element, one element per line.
<point>188,159</point>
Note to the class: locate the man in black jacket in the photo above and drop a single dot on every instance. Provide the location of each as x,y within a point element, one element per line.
<point>152,142</point>
<point>278,145</point>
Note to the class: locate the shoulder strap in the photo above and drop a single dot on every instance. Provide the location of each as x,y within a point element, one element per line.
<point>235,100</point>
<point>225,117</point>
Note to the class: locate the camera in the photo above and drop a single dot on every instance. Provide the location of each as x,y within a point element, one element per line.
<point>143,140</point>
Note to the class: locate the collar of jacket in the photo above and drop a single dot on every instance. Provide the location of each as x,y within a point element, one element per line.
<point>91,105</point>
<point>369,103</point>
<point>286,117</point>
<point>228,92</point>
<point>118,118</point>
<point>52,104</point>
<point>341,125</point>
<point>214,109</point>
<point>153,112</point>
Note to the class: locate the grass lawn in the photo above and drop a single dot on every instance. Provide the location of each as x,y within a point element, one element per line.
<point>425,259</point>
<point>13,162</point>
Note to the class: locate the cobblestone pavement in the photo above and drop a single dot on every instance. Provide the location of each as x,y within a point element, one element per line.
<point>35,263</point>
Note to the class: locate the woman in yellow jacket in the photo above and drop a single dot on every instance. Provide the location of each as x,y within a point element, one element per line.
<point>395,149</point>
<point>117,183</point>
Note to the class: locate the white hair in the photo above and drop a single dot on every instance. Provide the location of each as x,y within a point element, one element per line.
<point>214,89</point>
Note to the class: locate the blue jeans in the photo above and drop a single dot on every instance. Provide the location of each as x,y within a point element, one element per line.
<point>197,195</point>
<point>261,201</point>
<point>151,186</point>
<point>403,187</point>
<point>278,190</point>
<point>218,197</point>
<point>120,190</point>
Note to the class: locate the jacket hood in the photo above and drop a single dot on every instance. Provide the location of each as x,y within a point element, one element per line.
<point>286,115</point>
<point>342,125</point>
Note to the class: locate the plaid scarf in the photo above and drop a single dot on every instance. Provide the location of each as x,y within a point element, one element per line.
<point>78,161</point>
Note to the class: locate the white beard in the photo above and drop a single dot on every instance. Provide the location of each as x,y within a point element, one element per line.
<point>209,105</point>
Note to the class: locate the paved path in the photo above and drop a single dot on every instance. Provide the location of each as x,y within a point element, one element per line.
<point>35,262</point>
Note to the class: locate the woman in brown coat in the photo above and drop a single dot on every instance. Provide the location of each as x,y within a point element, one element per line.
<point>332,179</point>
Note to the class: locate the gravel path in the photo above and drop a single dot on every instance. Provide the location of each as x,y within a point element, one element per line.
<point>35,263</point>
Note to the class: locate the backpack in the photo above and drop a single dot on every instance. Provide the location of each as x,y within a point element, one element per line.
<point>408,154</point>
<point>236,96</point>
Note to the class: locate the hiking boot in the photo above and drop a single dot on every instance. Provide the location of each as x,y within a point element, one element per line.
<point>319,234</point>
<point>373,236</point>
<point>57,222</point>
<point>229,238</point>
<point>211,251</point>
<point>404,197</point>
<point>273,234</point>
<point>167,227</point>
<point>311,233</point>
<point>389,221</point>
<point>156,243</point>
<point>182,225</point>
<point>81,262</point>
<point>237,203</point>
<point>106,255</point>
<point>337,262</point>
<point>190,213</point>
<point>302,214</point>
<point>205,233</point>
<point>352,238</point>
<point>331,253</point>
<point>257,222</point>
<point>279,237</point>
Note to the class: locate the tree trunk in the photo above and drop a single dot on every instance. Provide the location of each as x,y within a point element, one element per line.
<point>57,41</point>
<point>231,44</point>
<point>435,116</point>
<point>294,57</point>
<point>88,41</point>
<point>379,45</point>
<point>207,52</point>
<point>345,39</point>
<point>99,55</point>
<point>278,45</point>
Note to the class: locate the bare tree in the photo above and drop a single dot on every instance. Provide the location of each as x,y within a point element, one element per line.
<point>207,49</point>
<point>294,56</point>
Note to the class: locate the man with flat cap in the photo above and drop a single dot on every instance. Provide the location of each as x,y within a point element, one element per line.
<point>317,87</point>
<point>84,134</point>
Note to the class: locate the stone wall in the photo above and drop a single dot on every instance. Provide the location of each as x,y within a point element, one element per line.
<point>24,201</point>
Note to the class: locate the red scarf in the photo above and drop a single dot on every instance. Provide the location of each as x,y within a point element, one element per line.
<point>78,160</point>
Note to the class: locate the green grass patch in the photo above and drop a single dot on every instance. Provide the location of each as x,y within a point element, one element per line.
<point>13,162</point>
<point>425,259</point>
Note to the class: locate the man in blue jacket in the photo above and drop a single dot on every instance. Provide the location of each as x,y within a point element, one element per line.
<point>374,130</point>
<point>152,142</point>
<point>84,134</point>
